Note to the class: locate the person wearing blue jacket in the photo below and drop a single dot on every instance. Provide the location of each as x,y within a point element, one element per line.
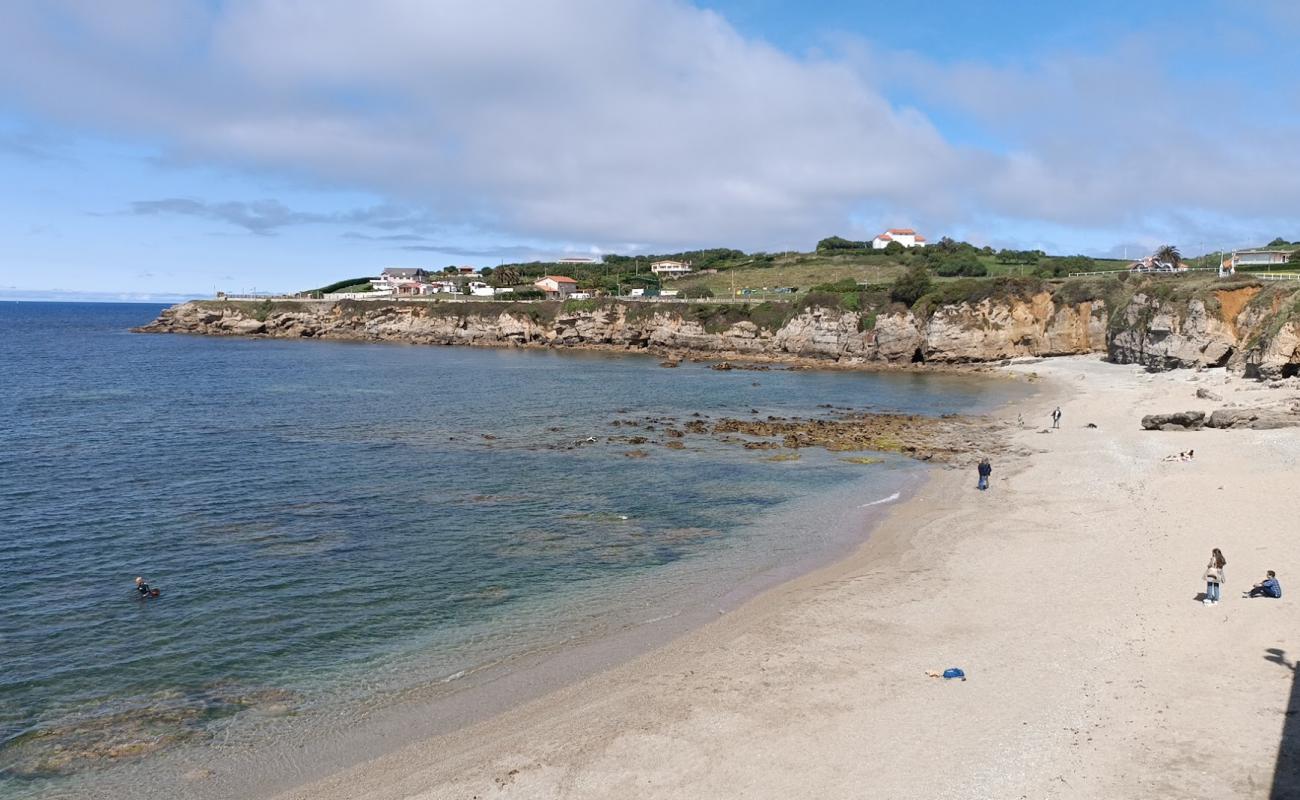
<point>1269,587</point>
<point>985,470</point>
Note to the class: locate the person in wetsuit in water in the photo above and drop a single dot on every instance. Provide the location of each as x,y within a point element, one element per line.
<point>143,588</point>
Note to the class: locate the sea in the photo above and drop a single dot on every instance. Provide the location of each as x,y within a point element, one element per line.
<point>357,544</point>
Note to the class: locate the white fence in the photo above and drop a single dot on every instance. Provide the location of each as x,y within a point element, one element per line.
<point>1142,272</point>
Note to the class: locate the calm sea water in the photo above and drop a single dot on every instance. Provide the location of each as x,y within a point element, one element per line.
<point>340,528</point>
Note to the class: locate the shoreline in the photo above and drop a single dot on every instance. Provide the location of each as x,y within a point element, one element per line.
<point>992,368</point>
<point>444,708</point>
<point>788,691</point>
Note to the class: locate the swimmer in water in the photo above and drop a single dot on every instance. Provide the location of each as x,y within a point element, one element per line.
<point>144,589</point>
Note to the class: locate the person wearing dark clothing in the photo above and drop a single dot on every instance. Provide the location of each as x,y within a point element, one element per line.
<point>146,591</point>
<point>985,470</point>
<point>1056,417</point>
<point>1269,587</point>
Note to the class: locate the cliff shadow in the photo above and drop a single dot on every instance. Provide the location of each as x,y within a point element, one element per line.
<point>1286,774</point>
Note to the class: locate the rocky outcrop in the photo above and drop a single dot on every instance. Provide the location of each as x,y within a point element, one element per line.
<point>1177,421</point>
<point>1008,328</point>
<point>1159,323</point>
<point>984,331</point>
<point>1248,328</point>
<point>1254,418</point>
<point>1164,334</point>
<point>1277,354</point>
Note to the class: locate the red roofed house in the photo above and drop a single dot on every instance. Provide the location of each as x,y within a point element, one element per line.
<point>904,236</point>
<point>557,287</point>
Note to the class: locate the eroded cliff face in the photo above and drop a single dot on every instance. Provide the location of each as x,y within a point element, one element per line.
<point>984,331</point>
<point>1247,327</point>
<point>992,330</point>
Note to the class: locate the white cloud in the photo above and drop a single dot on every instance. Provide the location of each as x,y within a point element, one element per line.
<point>643,120</point>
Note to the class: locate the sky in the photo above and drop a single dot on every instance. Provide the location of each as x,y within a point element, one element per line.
<point>165,148</point>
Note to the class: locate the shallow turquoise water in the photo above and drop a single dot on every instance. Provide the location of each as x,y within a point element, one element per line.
<point>336,524</point>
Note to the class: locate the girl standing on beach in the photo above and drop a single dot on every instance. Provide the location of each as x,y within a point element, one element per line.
<point>1214,576</point>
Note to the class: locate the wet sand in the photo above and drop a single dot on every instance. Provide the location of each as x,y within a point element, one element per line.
<point>1068,593</point>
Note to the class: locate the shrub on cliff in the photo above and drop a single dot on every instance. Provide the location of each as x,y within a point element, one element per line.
<point>911,285</point>
<point>965,265</point>
<point>835,244</point>
<point>843,285</point>
<point>972,291</point>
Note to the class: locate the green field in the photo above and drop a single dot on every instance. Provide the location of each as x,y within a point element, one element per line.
<point>805,270</point>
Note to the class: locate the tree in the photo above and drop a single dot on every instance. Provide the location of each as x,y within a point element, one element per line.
<point>966,265</point>
<point>1278,242</point>
<point>486,272</point>
<point>452,270</point>
<point>506,276</point>
<point>1168,254</point>
<point>1294,258</point>
<point>911,285</point>
<point>895,248</point>
<point>834,244</point>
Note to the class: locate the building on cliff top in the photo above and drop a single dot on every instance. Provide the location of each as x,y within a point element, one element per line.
<point>557,287</point>
<point>671,269</point>
<point>904,236</point>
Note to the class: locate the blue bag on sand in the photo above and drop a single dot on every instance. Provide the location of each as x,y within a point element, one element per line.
<point>954,672</point>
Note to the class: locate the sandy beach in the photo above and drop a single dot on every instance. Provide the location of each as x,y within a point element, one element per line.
<point>1069,593</point>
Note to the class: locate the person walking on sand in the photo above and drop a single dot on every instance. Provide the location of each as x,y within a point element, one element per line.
<point>1214,576</point>
<point>1056,417</point>
<point>985,469</point>
<point>1269,587</point>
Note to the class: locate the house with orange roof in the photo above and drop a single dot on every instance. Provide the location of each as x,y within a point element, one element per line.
<point>556,287</point>
<point>904,236</point>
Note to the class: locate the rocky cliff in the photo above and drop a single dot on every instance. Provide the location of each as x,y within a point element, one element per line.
<point>1250,327</point>
<point>967,332</point>
<point>1163,324</point>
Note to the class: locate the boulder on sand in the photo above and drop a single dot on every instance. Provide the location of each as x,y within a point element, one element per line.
<point>1178,421</point>
<point>1253,418</point>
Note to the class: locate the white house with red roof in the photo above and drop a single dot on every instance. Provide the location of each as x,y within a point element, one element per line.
<point>904,236</point>
<point>557,287</point>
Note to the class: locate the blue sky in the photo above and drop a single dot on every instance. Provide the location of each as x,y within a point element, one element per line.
<point>173,148</point>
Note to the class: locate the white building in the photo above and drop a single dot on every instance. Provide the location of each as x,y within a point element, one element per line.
<point>557,287</point>
<point>1259,258</point>
<point>671,269</point>
<point>391,277</point>
<point>481,289</point>
<point>904,236</point>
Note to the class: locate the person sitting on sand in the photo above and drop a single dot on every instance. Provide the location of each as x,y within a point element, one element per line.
<point>1213,576</point>
<point>1269,587</point>
<point>985,469</point>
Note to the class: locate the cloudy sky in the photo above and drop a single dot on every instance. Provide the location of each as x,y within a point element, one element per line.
<point>177,146</point>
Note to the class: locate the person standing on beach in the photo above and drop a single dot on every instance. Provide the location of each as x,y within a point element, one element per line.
<point>985,469</point>
<point>1056,417</point>
<point>1214,576</point>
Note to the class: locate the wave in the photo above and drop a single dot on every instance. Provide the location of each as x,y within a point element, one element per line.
<point>889,499</point>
